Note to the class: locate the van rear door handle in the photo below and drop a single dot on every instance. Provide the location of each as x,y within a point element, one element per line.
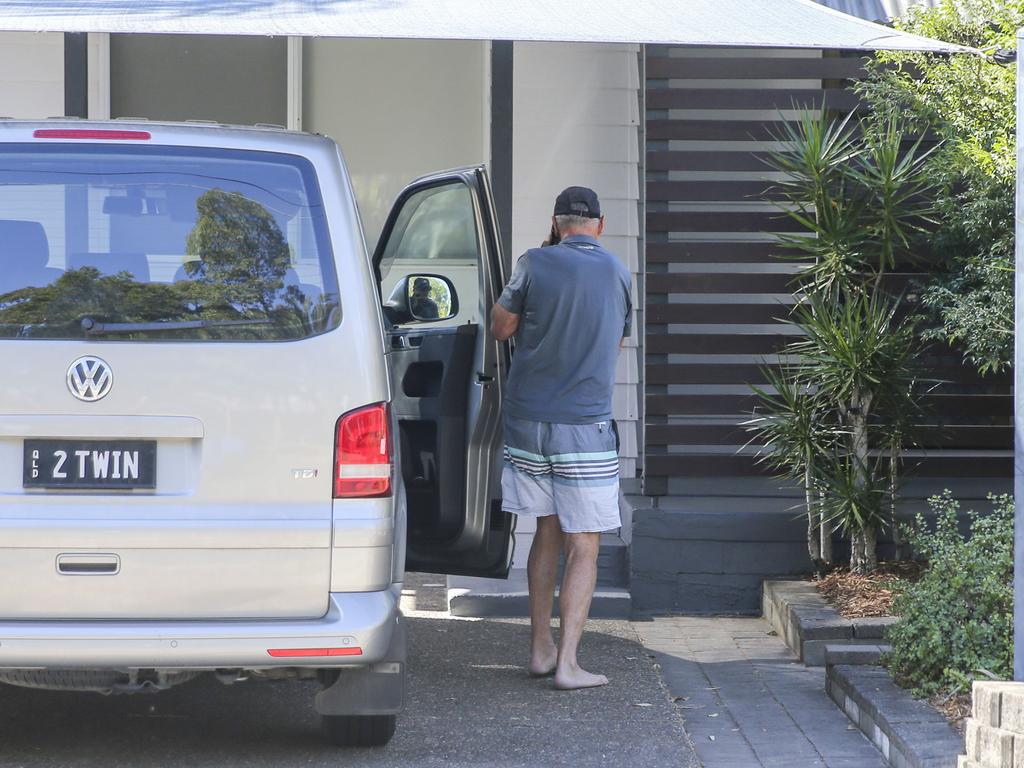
<point>82,564</point>
<point>483,378</point>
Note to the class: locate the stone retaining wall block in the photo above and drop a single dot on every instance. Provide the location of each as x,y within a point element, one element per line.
<point>985,704</point>
<point>1011,709</point>
<point>992,747</point>
<point>999,704</point>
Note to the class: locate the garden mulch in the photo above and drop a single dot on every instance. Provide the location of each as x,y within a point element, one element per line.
<point>857,597</point>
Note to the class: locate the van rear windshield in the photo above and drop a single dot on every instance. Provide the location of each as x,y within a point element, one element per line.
<point>158,242</point>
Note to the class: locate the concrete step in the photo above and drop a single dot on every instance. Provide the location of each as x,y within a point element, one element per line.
<point>503,598</point>
<point>612,563</point>
<point>862,652</point>
<point>469,596</point>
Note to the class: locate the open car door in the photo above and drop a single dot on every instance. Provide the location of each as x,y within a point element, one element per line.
<point>439,268</point>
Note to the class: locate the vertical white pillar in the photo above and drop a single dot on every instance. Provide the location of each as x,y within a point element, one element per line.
<point>294,84</point>
<point>99,75</point>
<point>1018,390</point>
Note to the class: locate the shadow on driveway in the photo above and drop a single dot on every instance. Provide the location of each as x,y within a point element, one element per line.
<point>470,704</point>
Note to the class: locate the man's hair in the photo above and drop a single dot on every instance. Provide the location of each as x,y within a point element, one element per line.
<point>567,223</point>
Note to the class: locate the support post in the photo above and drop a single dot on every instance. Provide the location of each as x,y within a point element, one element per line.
<point>99,76</point>
<point>76,74</point>
<point>294,84</point>
<point>501,140</point>
<point>1018,391</point>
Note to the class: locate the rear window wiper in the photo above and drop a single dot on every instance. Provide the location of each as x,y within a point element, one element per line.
<point>93,328</point>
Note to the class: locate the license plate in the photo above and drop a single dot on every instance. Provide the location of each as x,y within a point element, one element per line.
<point>89,464</point>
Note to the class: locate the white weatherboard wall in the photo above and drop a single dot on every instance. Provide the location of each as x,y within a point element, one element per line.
<point>576,120</point>
<point>399,109</point>
<point>32,84</point>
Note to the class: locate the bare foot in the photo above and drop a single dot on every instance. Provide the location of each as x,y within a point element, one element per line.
<point>571,679</point>
<point>543,663</point>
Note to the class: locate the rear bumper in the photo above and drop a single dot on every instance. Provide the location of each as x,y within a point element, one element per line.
<point>364,620</point>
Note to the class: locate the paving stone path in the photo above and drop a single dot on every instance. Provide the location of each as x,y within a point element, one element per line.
<point>747,701</point>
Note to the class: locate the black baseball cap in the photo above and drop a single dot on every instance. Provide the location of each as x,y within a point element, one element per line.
<point>578,201</point>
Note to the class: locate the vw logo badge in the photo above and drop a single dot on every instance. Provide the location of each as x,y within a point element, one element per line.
<point>90,379</point>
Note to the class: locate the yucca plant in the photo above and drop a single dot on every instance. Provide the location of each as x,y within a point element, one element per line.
<point>861,191</point>
<point>892,175</point>
<point>794,437</point>
<point>862,194</point>
<point>859,354</point>
<point>853,499</point>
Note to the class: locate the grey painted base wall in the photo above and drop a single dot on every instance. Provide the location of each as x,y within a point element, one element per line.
<point>710,554</point>
<point>702,555</point>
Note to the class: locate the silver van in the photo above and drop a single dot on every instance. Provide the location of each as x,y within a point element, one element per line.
<point>225,430</point>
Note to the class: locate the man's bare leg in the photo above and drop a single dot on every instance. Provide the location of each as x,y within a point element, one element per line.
<point>574,605</point>
<point>542,574</point>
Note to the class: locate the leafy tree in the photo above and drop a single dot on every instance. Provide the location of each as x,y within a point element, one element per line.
<point>969,103</point>
<point>241,256</point>
<point>56,310</point>
<point>237,289</point>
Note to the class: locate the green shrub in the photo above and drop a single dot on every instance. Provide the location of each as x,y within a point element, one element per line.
<point>956,622</point>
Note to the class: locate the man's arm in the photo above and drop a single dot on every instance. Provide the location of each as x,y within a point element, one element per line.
<point>503,323</point>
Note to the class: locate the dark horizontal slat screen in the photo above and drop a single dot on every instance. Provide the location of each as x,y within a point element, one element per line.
<point>835,68</point>
<point>717,293</point>
<point>751,98</point>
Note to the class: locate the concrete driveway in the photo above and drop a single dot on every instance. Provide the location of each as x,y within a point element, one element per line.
<point>470,704</point>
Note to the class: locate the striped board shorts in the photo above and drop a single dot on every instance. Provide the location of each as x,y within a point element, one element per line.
<point>568,470</point>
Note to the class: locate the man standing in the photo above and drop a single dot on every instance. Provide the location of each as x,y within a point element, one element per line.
<point>569,307</point>
<point>421,305</point>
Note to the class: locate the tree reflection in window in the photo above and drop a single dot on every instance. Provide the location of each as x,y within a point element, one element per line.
<point>240,256</point>
<point>237,272</point>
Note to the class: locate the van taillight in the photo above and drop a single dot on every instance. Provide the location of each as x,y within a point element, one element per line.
<point>362,453</point>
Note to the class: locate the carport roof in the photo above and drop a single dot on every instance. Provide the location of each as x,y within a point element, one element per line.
<point>758,23</point>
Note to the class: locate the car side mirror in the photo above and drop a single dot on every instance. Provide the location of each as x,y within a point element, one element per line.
<point>422,298</point>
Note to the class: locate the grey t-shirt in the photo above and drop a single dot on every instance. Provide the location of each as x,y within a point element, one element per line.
<point>574,306</point>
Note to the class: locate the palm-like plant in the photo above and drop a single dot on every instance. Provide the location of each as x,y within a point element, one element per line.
<point>858,353</point>
<point>862,195</point>
<point>794,436</point>
<point>898,191</point>
<point>862,201</point>
<point>853,495</point>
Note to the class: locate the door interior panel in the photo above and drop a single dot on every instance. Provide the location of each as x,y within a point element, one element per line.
<point>447,375</point>
<point>434,367</point>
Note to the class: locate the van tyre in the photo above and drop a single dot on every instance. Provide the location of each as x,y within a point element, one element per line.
<point>359,730</point>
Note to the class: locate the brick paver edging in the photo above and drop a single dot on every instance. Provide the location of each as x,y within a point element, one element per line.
<point>908,731</point>
<point>807,623</point>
